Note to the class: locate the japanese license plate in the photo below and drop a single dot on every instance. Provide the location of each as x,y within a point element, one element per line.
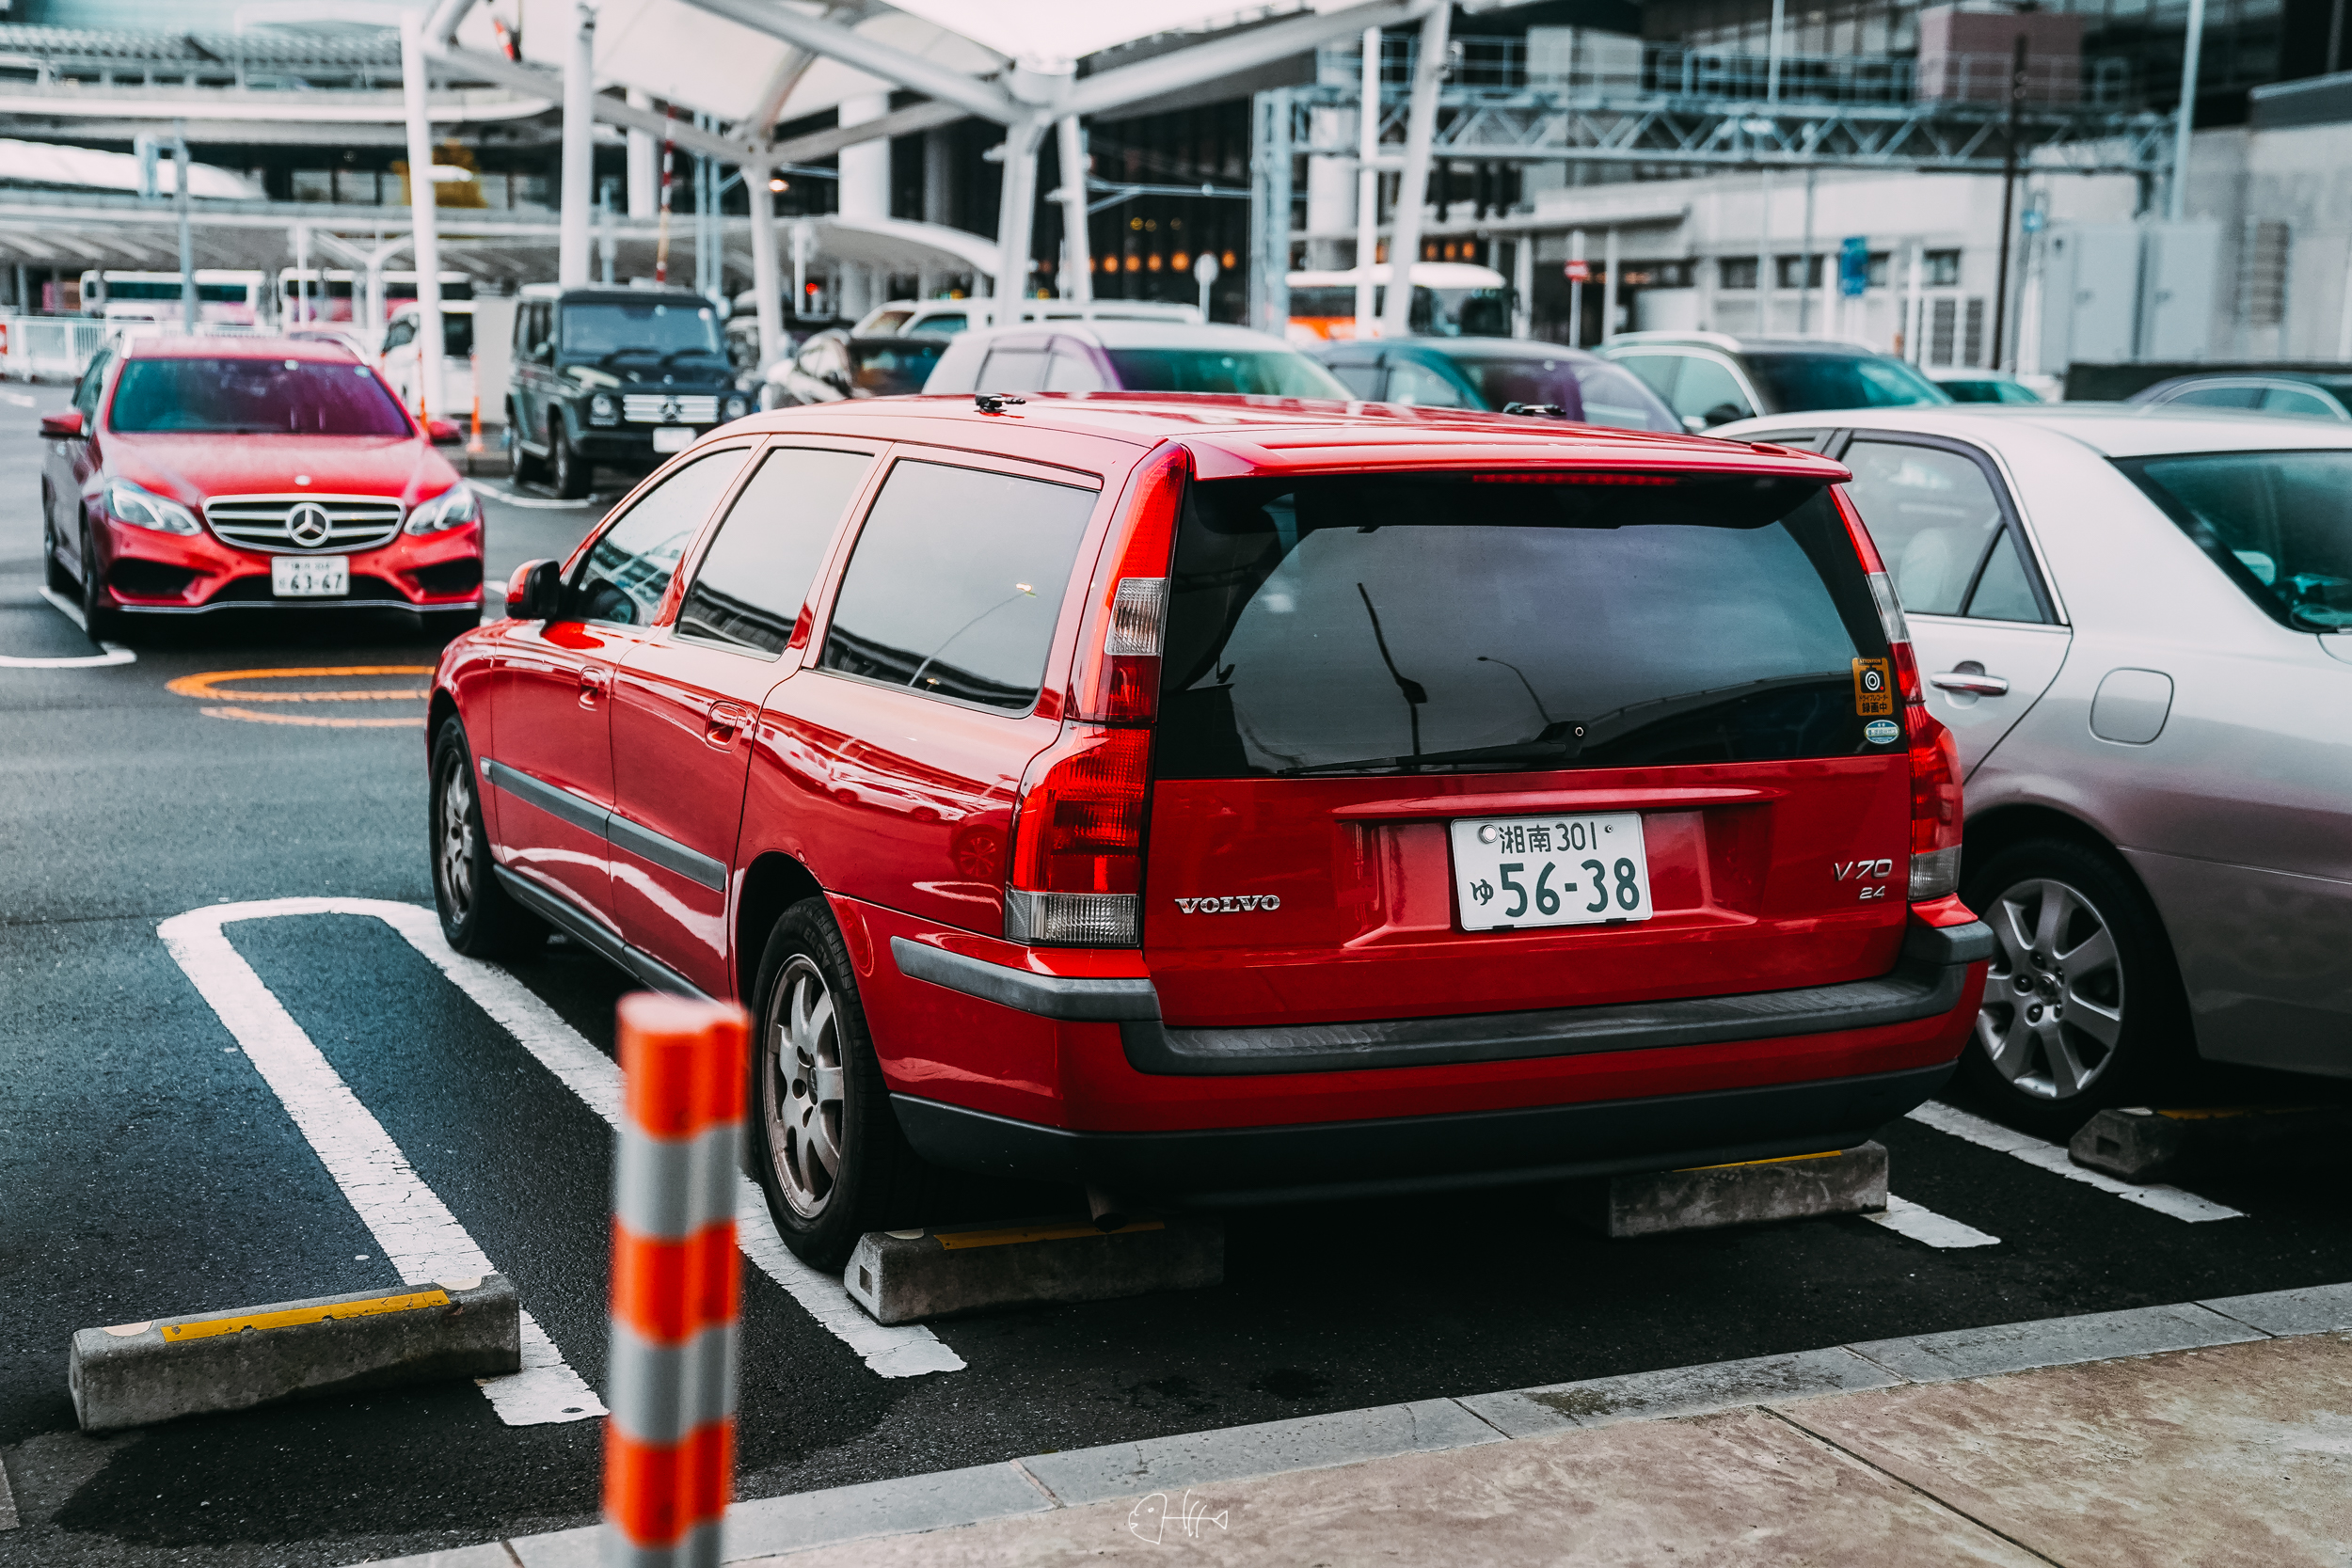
<point>309,576</point>
<point>1570,870</point>
<point>673,438</point>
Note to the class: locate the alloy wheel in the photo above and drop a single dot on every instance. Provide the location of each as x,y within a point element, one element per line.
<point>2053,1009</point>
<point>801,1083</point>
<point>453,837</point>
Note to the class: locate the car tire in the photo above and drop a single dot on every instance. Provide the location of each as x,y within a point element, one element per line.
<point>102,623</point>
<point>568,474</point>
<point>2083,1006</point>
<point>826,1146</point>
<point>60,580</point>
<point>525,469</point>
<point>478,918</point>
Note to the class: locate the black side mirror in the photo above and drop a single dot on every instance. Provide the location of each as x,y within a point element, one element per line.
<point>535,592</point>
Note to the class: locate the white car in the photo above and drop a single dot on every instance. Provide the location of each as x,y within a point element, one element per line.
<point>398,358</point>
<point>1128,356</point>
<point>2137,623</point>
<point>945,317</point>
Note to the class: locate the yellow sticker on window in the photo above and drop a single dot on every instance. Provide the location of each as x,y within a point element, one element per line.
<point>1873,688</point>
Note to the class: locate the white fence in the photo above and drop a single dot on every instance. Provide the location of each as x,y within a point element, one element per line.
<point>48,348</point>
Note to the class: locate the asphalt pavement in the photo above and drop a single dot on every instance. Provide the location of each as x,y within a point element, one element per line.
<point>146,1167</point>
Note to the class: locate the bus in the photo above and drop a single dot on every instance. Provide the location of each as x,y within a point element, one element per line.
<point>340,294</point>
<point>222,298</point>
<point>1450,299</point>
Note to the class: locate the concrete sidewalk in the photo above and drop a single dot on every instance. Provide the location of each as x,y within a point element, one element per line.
<point>2213,1432</point>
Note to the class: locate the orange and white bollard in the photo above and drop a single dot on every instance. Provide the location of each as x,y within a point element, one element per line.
<point>669,1451</point>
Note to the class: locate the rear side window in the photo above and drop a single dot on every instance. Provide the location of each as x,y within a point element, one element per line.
<point>1935,519</point>
<point>1801,381</point>
<point>1014,369</point>
<point>629,569</point>
<point>1405,624</point>
<point>2273,521</point>
<point>956,583</point>
<point>754,579</point>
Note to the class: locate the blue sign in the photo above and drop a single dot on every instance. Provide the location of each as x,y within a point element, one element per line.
<point>2032,221</point>
<point>1854,265</point>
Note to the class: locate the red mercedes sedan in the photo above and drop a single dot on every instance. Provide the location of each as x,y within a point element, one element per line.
<point>199,474</point>
<point>1215,799</point>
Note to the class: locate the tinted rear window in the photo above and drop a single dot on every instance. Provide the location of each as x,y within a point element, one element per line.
<point>1443,623</point>
<point>1795,382</point>
<point>230,396</point>
<point>1273,372</point>
<point>2273,521</point>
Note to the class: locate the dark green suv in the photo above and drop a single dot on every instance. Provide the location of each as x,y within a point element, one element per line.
<point>622,377</point>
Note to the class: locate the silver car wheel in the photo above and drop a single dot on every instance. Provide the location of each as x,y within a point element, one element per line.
<point>2053,1010</point>
<point>453,838</point>
<point>800,1087</point>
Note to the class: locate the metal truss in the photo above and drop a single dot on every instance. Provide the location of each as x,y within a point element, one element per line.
<point>1924,136</point>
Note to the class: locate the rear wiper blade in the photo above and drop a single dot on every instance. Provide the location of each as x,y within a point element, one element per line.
<point>1539,749</point>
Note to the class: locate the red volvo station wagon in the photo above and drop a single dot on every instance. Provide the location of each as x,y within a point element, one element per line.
<point>1217,801</point>
<point>201,474</point>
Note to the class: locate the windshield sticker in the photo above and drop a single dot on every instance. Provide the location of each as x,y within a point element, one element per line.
<point>1883,732</point>
<point>1873,691</point>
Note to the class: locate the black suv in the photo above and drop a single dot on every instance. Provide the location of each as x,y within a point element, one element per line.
<point>618,376</point>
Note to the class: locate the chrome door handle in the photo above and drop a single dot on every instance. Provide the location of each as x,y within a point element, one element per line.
<point>1975,685</point>
<point>725,720</point>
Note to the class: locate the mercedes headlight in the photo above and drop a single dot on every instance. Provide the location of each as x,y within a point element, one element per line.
<point>139,506</point>
<point>602,409</point>
<point>452,508</point>
<point>737,406</point>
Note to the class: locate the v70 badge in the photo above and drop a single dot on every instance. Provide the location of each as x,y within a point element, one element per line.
<point>1848,871</point>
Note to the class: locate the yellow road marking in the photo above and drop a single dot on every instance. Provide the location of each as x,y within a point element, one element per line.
<point>292,1317</point>
<point>209,684</point>
<point>952,1240</point>
<point>1784,1159</point>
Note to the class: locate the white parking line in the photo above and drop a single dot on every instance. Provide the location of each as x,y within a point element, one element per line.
<point>1906,1218</point>
<point>905,1352</point>
<point>536,504</point>
<point>419,1236</point>
<point>2050,1157</point>
<point>114,652</point>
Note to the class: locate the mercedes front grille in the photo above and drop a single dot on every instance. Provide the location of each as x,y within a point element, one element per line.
<point>327,523</point>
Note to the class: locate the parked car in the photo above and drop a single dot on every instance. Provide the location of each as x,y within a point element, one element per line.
<point>621,377</point>
<point>1498,374</point>
<point>1132,357</point>
<point>1710,378</point>
<point>2294,393</point>
<point>944,318</point>
<point>2134,621</point>
<point>401,357</point>
<point>199,474</point>
<point>1981,385</point>
<point>342,337</point>
<point>833,366</point>
<point>1208,798</point>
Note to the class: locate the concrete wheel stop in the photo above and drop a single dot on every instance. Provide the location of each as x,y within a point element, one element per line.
<point>1707,1197</point>
<point>136,1375</point>
<point>904,1277</point>
<point>2143,1145</point>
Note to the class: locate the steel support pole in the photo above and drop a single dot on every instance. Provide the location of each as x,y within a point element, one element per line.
<point>1804,261</point>
<point>1270,212</point>
<point>189,310</point>
<point>424,220</point>
<point>1420,128</point>
<point>1609,284</point>
<point>579,149</point>
<point>2185,118</point>
<point>1367,182</point>
<point>1015,214</point>
<point>641,160</point>
<point>302,269</point>
<point>1523,285</point>
<point>1576,290</point>
<point>2008,200</point>
<point>767,273</point>
<point>1077,259</point>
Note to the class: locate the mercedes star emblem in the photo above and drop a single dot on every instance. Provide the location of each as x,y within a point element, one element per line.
<point>669,410</point>
<point>309,525</point>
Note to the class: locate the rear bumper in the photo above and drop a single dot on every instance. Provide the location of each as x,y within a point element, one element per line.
<point>1236,1165</point>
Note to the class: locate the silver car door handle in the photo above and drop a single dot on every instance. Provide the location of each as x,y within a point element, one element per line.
<point>1980,685</point>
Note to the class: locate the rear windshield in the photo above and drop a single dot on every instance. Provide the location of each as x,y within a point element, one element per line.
<point>1795,382</point>
<point>2275,522</point>
<point>1272,372</point>
<point>256,396</point>
<point>892,367</point>
<point>1405,624</point>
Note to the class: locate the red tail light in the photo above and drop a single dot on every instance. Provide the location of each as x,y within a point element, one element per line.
<point>1078,842</point>
<point>1118,673</point>
<point>1935,815</point>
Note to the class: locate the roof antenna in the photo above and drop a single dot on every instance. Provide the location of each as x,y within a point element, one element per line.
<point>1546,410</point>
<point>994,403</point>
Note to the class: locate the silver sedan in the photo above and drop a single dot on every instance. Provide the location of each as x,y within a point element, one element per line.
<point>2138,623</point>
